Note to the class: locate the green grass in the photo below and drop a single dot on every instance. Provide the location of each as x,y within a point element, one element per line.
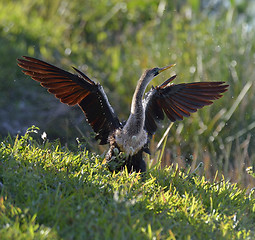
<point>113,43</point>
<point>54,192</point>
<point>49,192</point>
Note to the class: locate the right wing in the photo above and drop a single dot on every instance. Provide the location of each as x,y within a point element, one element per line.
<point>75,89</point>
<point>178,100</point>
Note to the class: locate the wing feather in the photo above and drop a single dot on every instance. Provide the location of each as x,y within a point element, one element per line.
<point>178,101</point>
<point>73,89</point>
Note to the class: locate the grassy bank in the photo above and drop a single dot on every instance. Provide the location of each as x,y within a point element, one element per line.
<point>49,192</point>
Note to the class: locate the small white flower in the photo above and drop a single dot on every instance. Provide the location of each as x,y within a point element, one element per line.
<point>44,136</point>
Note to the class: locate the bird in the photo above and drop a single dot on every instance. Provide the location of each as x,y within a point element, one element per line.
<point>130,139</point>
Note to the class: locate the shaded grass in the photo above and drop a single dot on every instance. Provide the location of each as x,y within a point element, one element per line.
<point>48,192</point>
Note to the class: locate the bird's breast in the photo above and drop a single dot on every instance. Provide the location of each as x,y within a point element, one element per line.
<point>129,143</point>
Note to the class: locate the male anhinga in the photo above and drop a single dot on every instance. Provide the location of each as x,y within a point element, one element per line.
<point>132,137</point>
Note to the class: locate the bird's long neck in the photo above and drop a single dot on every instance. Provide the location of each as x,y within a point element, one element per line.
<point>136,118</point>
<point>137,106</point>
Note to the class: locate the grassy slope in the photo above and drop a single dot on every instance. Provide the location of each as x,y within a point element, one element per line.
<point>52,193</point>
<point>113,43</point>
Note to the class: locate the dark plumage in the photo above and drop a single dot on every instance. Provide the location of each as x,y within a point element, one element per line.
<point>127,141</point>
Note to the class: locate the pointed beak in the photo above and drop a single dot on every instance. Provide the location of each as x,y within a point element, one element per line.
<point>165,68</point>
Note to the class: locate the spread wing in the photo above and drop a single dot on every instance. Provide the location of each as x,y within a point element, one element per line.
<point>75,89</point>
<point>178,101</point>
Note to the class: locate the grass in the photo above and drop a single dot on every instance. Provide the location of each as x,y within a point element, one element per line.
<point>113,43</point>
<point>49,192</point>
<point>54,192</point>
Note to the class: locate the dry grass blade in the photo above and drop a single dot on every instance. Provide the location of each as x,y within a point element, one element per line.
<point>233,108</point>
<point>165,135</point>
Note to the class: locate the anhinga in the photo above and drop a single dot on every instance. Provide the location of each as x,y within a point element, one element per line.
<point>127,140</point>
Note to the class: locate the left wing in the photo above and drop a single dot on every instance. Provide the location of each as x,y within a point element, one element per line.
<point>73,89</point>
<point>178,101</point>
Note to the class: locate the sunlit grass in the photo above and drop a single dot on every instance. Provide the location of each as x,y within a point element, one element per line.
<point>49,192</point>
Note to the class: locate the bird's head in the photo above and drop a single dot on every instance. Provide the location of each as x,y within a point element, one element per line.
<point>153,72</point>
<point>149,74</point>
<point>160,70</point>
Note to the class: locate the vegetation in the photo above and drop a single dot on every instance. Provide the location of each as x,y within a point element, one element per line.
<point>49,192</point>
<point>59,189</point>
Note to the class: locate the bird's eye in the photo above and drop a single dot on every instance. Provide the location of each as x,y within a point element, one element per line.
<point>156,72</point>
